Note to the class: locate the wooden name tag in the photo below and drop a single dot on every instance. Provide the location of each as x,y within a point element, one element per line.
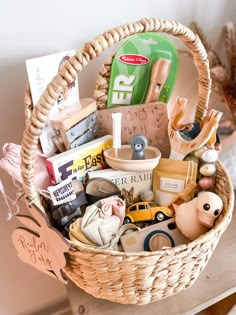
<point>40,245</point>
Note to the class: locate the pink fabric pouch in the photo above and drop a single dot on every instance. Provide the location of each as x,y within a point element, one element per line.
<point>11,163</point>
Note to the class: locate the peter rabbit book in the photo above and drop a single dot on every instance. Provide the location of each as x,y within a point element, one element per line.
<point>41,71</point>
<point>130,183</point>
<point>75,163</point>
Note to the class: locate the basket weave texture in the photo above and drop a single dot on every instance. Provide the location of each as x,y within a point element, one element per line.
<point>142,277</point>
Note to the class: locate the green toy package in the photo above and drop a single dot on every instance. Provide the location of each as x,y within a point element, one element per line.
<point>144,70</point>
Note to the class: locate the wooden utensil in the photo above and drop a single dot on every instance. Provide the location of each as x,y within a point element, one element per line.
<point>183,196</point>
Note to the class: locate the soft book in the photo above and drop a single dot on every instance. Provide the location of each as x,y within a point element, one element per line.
<point>130,183</point>
<point>75,163</point>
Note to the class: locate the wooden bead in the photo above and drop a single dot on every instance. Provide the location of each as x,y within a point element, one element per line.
<point>206,182</point>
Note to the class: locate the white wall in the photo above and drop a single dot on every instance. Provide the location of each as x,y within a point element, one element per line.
<point>34,28</point>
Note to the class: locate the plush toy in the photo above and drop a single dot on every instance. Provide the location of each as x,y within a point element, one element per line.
<point>197,216</point>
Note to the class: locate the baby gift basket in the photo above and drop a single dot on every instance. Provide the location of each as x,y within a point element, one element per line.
<point>126,277</point>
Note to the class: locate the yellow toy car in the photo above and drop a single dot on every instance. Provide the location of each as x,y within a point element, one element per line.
<point>147,211</point>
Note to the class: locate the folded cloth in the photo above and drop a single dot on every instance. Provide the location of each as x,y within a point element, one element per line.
<point>100,223</point>
<point>11,163</point>
<point>76,234</point>
<point>104,208</point>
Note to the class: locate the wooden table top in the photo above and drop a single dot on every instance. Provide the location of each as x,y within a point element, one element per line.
<point>216,282</point>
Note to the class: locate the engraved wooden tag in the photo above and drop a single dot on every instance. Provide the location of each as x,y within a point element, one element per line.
<point>40,245</point>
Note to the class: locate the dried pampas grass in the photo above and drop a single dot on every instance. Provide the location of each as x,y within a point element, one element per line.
<point>223,74</point>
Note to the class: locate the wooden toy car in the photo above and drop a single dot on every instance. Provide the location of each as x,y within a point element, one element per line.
<point>147,211</point>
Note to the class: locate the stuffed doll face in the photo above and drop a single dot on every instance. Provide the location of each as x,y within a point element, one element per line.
<point>209,207</point>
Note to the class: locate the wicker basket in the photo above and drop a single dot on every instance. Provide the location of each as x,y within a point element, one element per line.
<point>142,277</point>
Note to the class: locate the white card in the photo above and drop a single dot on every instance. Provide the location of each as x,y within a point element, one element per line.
<point>62,192</point>
<point>41,71</point>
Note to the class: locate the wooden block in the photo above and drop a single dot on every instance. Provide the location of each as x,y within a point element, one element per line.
<point>74,114</point>
<point>77,125</point>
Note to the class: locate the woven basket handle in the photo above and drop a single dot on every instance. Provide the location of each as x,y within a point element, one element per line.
<point>75,64</point>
